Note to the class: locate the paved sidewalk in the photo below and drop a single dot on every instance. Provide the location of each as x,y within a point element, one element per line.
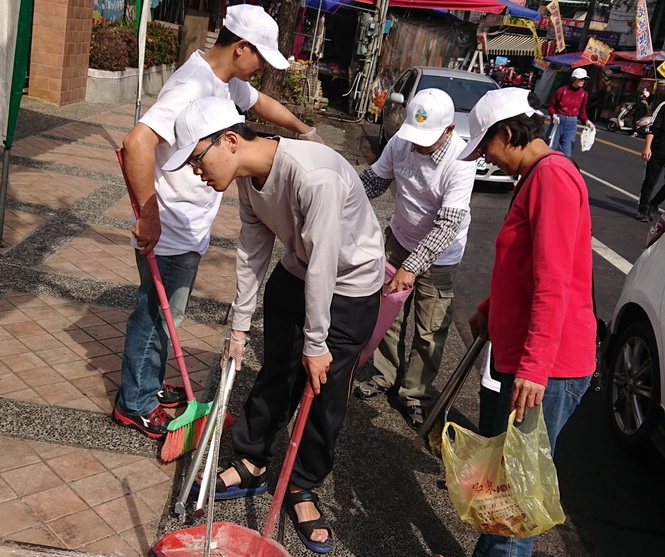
<point>72,479</point>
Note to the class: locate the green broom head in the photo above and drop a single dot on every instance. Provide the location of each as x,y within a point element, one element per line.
<point>194,411</point>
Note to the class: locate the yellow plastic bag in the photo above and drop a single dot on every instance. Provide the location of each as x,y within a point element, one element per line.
<point>505,485</point>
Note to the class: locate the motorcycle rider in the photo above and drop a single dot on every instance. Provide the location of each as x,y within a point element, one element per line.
<point>641,110</point>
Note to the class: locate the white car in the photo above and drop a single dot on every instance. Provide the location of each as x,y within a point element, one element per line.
<point>635,355</point>
<point>465,88</point>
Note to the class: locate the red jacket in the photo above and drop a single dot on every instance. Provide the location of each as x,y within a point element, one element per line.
<point>541,319</point>
<point>569,102</point>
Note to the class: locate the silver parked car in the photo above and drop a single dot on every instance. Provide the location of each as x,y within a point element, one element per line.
<point>635,355</point>
<point>465,88</point>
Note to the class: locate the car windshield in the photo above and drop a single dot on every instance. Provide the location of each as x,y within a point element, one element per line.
<point>464,92</point>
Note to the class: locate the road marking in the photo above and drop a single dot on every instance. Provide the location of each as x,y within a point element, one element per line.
<point>610,185</point>
<point>611,256</point>
<point>618,146</point>
<point>601,249</point>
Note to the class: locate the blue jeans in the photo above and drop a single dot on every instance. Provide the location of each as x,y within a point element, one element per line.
<point>561,398</point>
<point>146,339</point>
<point>564,137</point>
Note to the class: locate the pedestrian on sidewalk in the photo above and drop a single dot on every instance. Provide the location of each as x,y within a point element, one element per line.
<point>425,242</point>
<point>567,105</point>
<point>177,210</point>
<point>320,304</point>
<point>539,313</point>
<point>654,155</point>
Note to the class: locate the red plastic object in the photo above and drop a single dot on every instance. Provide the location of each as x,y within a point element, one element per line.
<point>231,540</point>
<point>228,540</point>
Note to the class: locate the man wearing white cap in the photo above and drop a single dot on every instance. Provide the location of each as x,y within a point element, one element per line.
<point>177,211</point>
<point>567,105</point>
<point>425,242</point>
<point>320,303</point>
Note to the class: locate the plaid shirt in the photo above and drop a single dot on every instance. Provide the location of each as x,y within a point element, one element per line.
<point>445,228</point>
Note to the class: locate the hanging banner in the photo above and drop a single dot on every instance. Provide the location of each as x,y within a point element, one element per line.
<point>597,52</point>
<point>557,24</point>
<point>537,51</point>
<point>643,46</point>
<point>15,34</point>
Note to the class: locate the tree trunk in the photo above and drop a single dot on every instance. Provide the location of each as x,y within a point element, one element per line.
<point>271,82</point>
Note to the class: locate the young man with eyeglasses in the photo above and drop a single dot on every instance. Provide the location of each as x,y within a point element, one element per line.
<point>425,242</point>
<point>320,302</point>
<point>177,211</point>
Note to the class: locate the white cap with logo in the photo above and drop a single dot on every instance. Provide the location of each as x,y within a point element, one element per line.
<point>494,106</point>
<point>199,119</point>
<point>428,115</point>
<point>580,73</point>
<point>253,24</point>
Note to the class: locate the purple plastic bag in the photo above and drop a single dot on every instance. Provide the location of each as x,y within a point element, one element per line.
<point>391,303</point>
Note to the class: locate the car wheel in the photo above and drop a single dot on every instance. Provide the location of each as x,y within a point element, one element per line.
<point>634,386</point>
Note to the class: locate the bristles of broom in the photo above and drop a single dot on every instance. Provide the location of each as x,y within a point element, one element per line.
<point>186,438</point>
<point>182,440</point>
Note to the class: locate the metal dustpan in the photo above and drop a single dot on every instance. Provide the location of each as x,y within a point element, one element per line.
<point>231,540</point>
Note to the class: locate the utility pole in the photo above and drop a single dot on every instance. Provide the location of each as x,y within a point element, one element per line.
<point>587,24</point>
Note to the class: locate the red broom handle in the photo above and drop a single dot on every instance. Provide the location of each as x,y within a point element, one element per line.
<point>161,292</point>
<point>289,460</point>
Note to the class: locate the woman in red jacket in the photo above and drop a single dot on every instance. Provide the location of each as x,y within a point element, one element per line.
<point>539,314</point>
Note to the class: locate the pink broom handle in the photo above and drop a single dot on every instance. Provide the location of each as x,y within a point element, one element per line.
<point>161,293</point>
<point>289,460</point>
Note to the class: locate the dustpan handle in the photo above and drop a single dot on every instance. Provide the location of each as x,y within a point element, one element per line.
<point>289,460</point>
<point>161,292</point>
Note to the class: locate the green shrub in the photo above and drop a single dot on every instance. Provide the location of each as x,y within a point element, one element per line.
<point>114,46</point>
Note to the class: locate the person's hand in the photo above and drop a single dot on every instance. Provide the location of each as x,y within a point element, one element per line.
<point>402,280</point>
<point>646,154</point>
<point>556,119</point>
<point>526,394</point>
<point>311,135</point>
<point>237,347</point>
<point>317,368</point>
<point>589,124</point>
<point>478,325</point>
<point>147,228</point>
<point>316,138</point>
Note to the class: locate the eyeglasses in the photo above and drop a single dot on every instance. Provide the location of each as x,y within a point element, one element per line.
<point>195,162</point>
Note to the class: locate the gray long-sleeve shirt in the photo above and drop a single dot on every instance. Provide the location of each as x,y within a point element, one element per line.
<point>314,202</point>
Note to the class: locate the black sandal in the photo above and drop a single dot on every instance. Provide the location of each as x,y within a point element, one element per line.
<point>250,485</point>
<point>305,529</point>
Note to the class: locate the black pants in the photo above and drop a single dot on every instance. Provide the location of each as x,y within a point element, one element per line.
<point>280,382</point>
<point>654,169</point>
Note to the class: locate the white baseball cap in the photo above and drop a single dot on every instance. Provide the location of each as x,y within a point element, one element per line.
<point>428,115</point>
<point>580,73</point>
<point>201,118</point>
<point>494,106</point>
<point>253,24</point>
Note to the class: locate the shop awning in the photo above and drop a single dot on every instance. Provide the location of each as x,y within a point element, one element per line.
<point>658,56</point>
<point>509,44</point>
<point>491,6</point>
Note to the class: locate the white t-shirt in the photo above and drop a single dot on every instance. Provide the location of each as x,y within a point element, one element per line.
<point>187,206</point>
<point>423,187</point>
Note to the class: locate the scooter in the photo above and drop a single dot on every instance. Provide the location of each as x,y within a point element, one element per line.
<point>619,123</point>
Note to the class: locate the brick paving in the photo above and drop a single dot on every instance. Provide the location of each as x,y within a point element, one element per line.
<point>63,352</point>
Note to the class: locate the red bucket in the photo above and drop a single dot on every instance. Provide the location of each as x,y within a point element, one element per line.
<point>228,540</point>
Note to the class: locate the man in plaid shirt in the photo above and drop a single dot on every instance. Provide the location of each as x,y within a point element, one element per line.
<point>425,242</point>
